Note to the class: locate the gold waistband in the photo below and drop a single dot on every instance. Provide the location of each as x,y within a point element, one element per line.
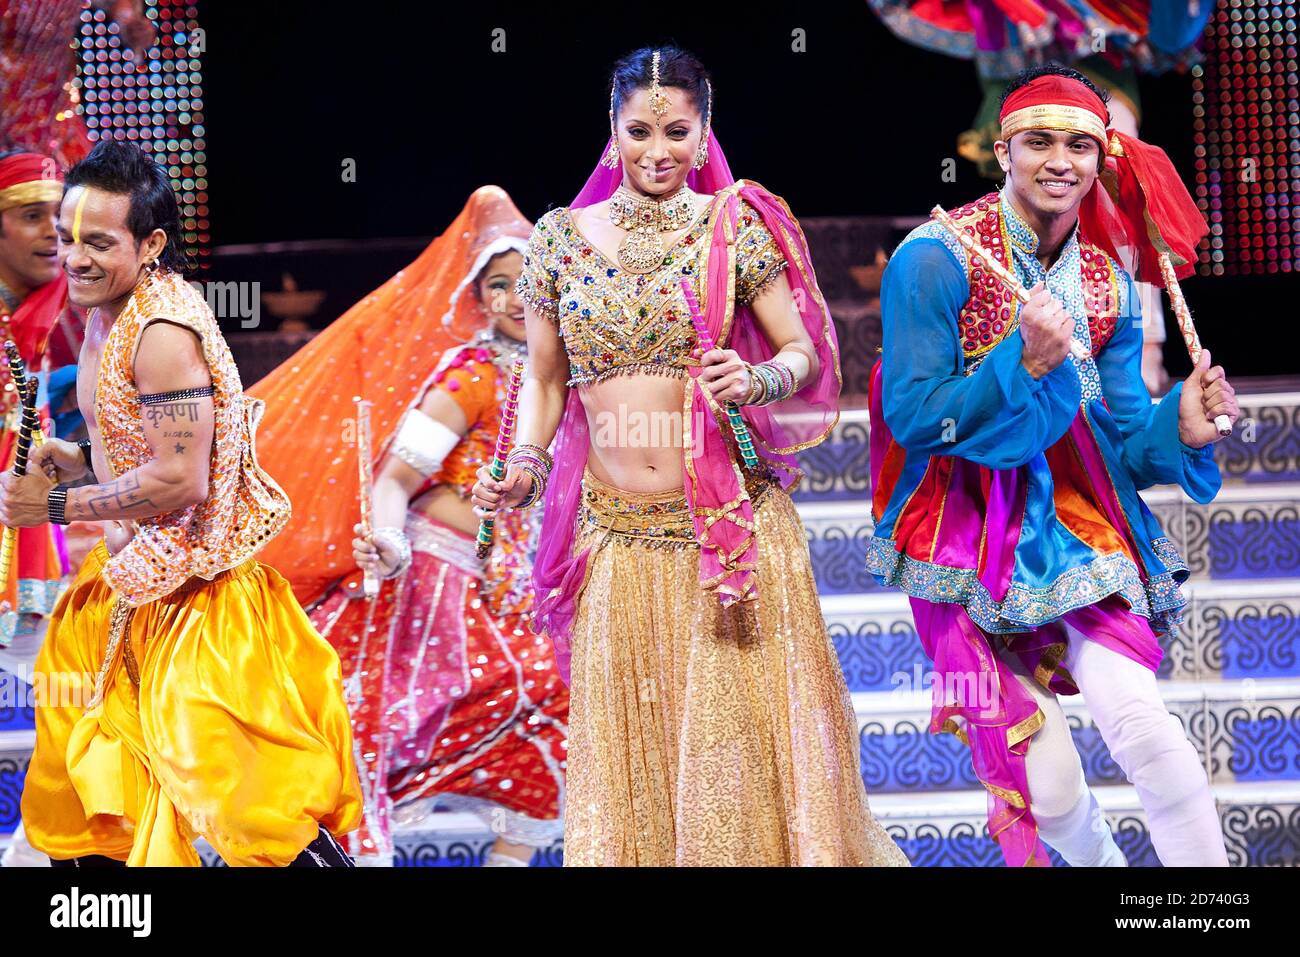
<point>651,517</point>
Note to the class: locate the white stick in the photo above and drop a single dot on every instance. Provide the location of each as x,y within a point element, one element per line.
<point>1184,316</point>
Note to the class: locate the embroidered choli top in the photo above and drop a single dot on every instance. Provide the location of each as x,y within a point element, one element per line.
<point>470,379</point>
<point>614,322</point>
<point>474,381</point>
<point>244,508</point>
<point>1015,497</point>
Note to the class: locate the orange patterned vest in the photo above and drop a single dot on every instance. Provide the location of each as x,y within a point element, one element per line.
<point>244,509</point>
<point>992,312</point>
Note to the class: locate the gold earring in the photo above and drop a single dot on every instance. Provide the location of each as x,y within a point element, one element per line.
<point>611,157</point>
<point>702,154</point>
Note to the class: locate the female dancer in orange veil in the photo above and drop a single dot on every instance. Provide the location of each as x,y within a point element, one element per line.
<point>454,700</point>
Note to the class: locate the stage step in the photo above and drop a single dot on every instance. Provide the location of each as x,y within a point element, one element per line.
<point>1231,630</point>
<point>1245,731</point>
<point>1260,824</point>
<point>1264,447</point>
<point>1248,532</point>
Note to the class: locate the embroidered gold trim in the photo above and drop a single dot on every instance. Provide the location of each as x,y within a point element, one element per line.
<point>1018,732</point>
<point>1048,664</point>
<point>1054,116</point>
<point>1014,798</point>
<point>118,620</point>
<point>37,191</point>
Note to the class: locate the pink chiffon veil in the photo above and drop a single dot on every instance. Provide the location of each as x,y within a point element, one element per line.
<point>714,484</point>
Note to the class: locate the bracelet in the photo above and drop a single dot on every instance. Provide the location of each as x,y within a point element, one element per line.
<point>778,381</point>
<point>84,445</point>
<point>539,486</point>
<point>395,537</point>
<point>526,456</point>
<point>755,386</point>
<point>786,375</point>
<point>771,385</point>
<point>524,449</point>
<point>56,504</point>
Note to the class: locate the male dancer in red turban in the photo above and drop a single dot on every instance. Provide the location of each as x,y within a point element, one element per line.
<point>1006,470</point>
<point>33,295</point>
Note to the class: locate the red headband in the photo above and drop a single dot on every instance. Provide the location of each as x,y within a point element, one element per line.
<point>29,178</point>
<point>1055,103</point>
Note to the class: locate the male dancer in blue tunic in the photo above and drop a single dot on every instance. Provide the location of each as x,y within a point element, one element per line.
<point>1005,474</point>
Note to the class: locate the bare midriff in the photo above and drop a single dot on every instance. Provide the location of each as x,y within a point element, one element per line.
<point>637,429</point>
<point>443,504</point>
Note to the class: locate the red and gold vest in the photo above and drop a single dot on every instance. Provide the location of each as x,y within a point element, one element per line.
<point>992,312</point>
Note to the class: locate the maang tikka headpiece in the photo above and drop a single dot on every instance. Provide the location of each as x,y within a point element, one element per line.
<point>659,101</point>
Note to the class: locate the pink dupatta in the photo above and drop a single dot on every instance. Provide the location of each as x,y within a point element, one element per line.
<point>714,484</point>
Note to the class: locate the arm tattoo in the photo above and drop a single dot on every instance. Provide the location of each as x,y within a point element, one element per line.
<point>172,411</point>
<point>120,496</point>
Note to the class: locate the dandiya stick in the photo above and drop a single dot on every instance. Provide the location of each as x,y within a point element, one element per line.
<point>738,427</point>
<point>1185,326</point>
<point>366,488</point>
<point>505,438</point>
<point>18,373</point>
<point>1017,288</point>
<point>28,426</point>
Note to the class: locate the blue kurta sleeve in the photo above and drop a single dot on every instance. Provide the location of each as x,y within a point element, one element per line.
<point>999,416</point>
<point>1153,453</point>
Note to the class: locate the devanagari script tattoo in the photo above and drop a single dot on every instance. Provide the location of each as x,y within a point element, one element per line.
<point>172,412</point>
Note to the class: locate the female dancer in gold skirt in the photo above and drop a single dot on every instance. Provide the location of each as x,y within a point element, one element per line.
<point>709,720</point>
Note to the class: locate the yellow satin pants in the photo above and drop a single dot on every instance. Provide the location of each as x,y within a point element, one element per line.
<point>222,716</point>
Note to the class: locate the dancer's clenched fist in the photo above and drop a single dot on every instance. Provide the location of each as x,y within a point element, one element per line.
<point>1045,327</point>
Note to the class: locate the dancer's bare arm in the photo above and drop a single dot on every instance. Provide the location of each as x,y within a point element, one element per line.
<point>541,406</point>
<point>179,432</point>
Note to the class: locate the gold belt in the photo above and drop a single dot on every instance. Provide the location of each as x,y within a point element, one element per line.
<point>662,518</point>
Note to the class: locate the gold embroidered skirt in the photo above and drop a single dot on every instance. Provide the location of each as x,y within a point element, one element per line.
<point>221,716</point>
<point>699,736</point>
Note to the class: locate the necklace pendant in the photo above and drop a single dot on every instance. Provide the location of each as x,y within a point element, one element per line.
<point>641,252</point>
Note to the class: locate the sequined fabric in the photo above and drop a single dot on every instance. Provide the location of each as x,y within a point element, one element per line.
<point>703,737</point>
<point>475,377</point>
<point>451,703</point>
<point>244,508</point>
<point>616,322</point>
<point>1084,278</point>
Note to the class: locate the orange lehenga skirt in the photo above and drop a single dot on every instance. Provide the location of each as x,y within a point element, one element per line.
<point>699,736</point>
<point>221,716</point>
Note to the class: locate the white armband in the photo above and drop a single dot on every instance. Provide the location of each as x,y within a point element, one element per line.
<point>423,442</point>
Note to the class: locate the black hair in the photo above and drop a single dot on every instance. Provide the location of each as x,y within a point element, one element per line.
<point>677,68</point>
<point>1029,74</point>
<point>119,167</point>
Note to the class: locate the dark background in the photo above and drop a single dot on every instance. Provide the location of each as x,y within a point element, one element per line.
<point>860,124</point>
